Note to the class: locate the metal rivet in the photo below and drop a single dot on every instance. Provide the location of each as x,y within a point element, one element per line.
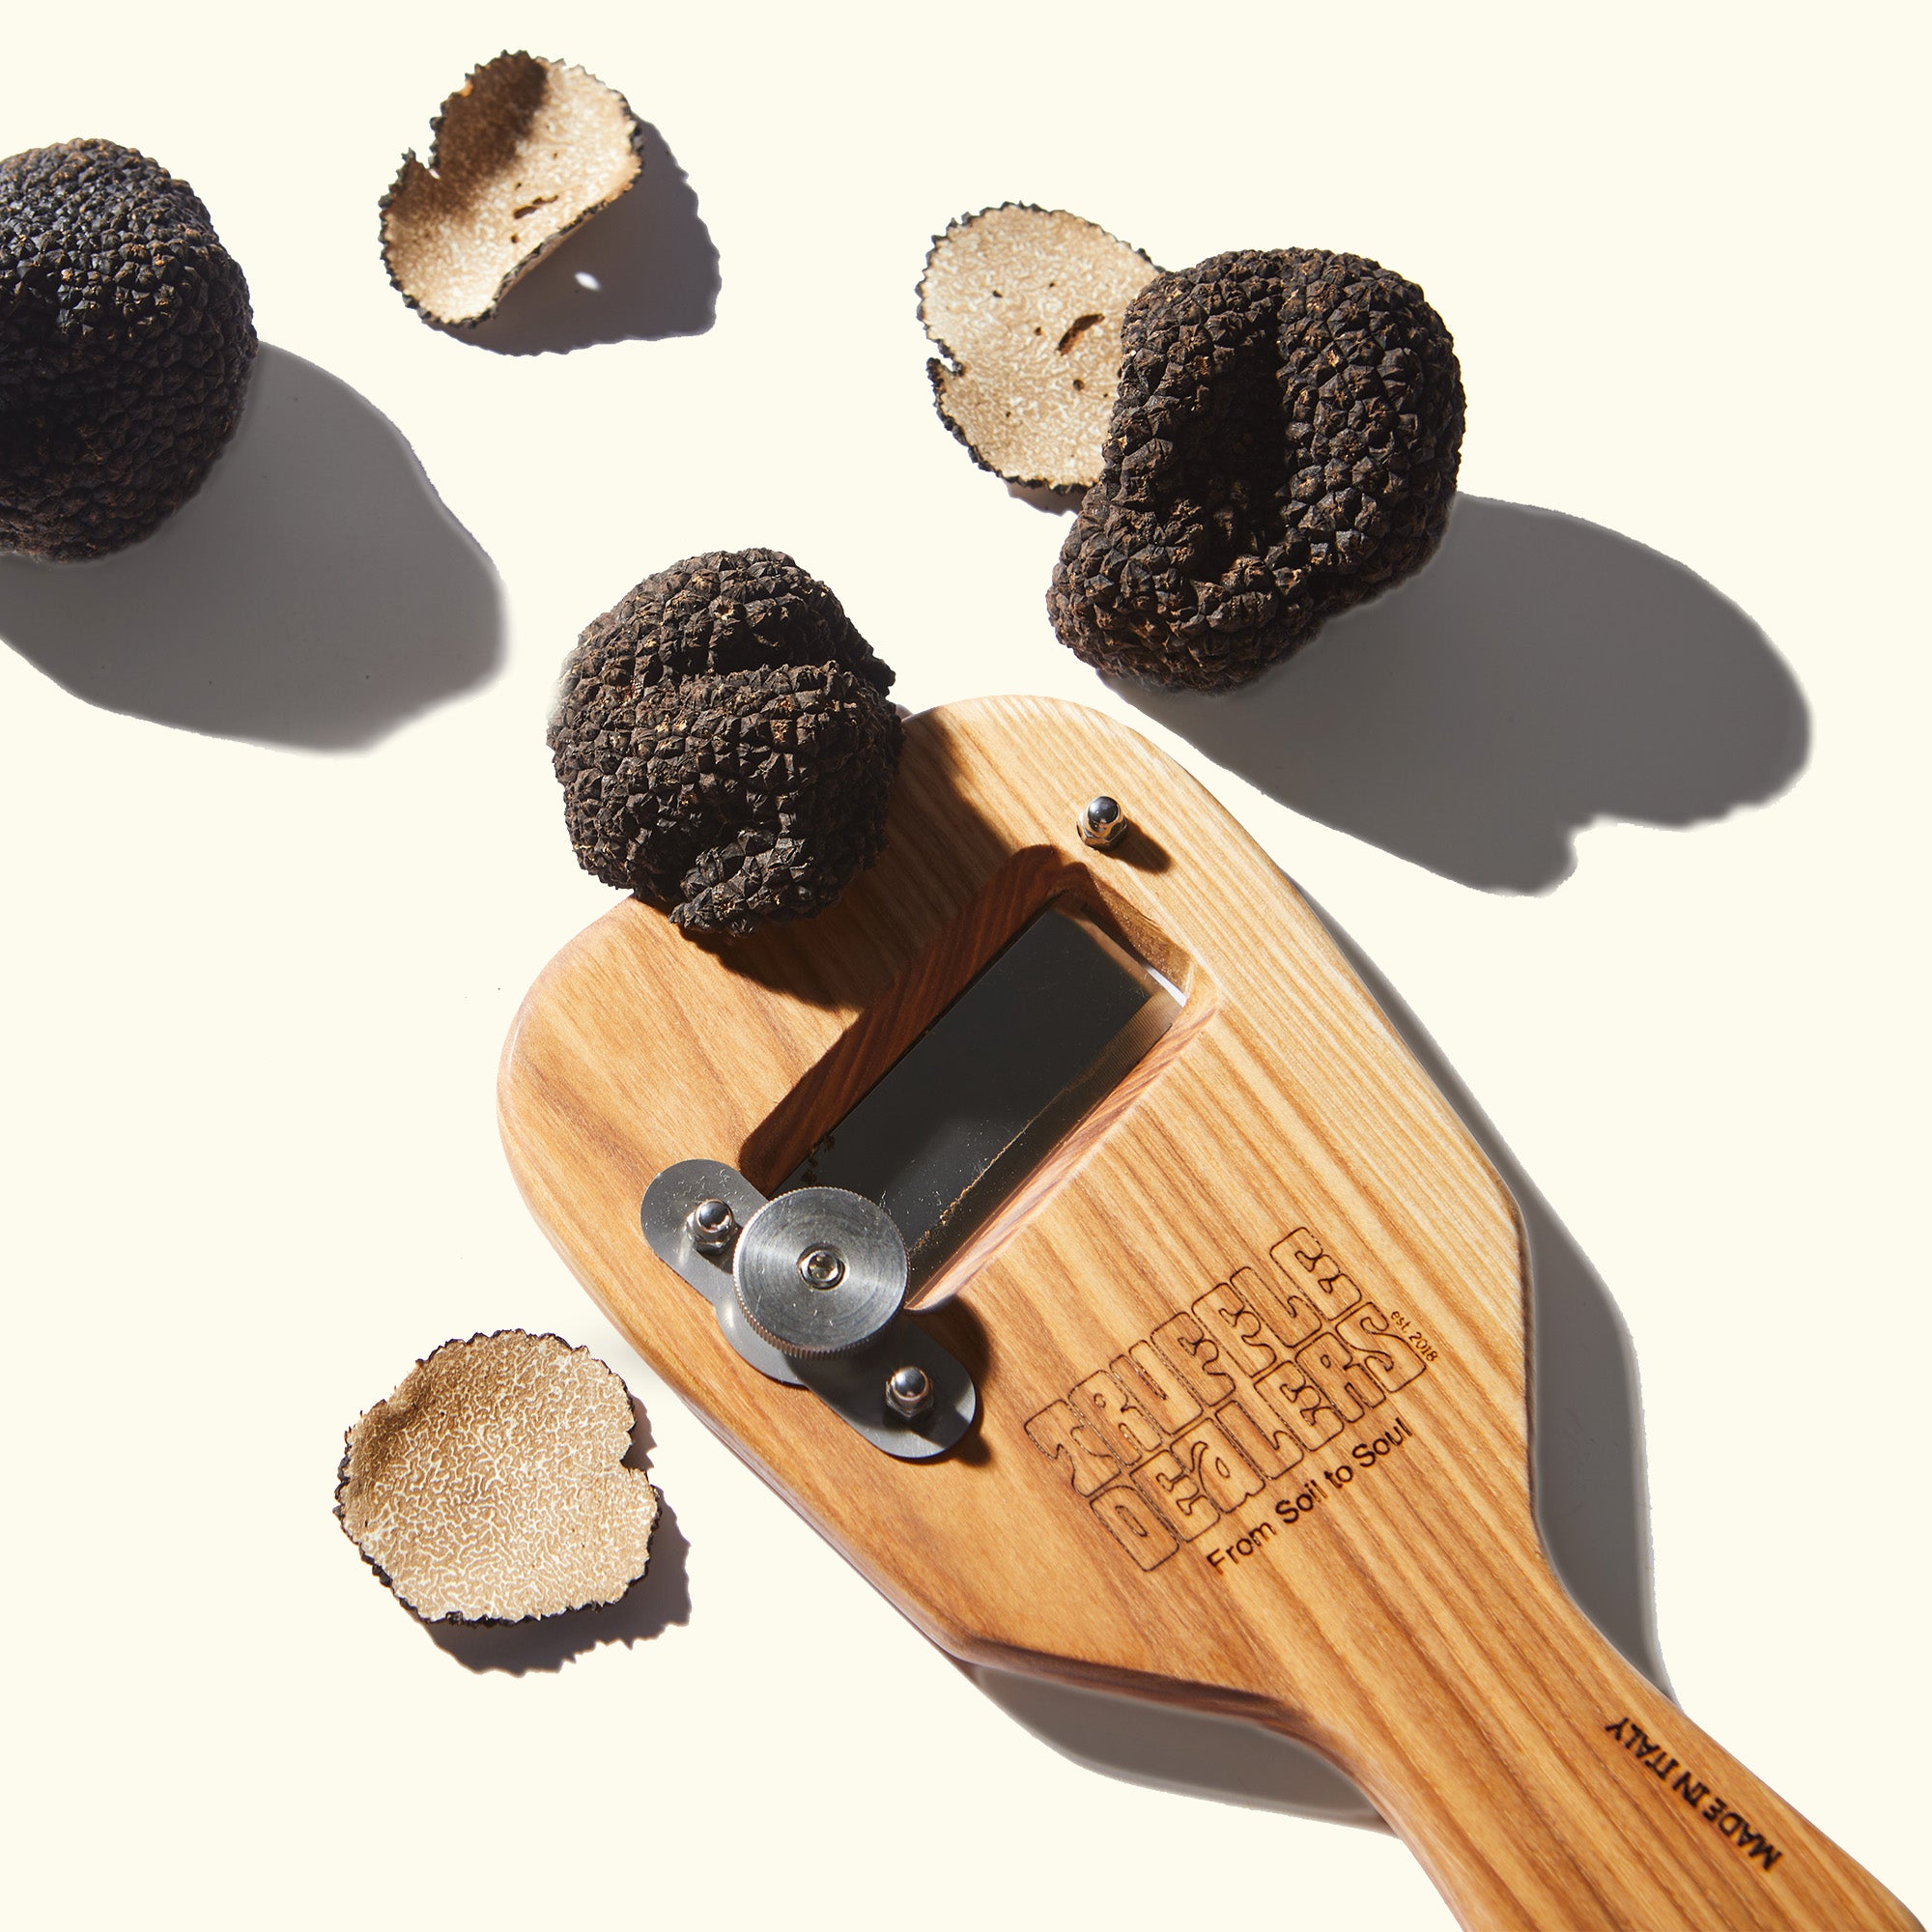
<point>909,1391</point>
<point>712,1226</point>
<point>1102,822</point>
<point>821,1267</point>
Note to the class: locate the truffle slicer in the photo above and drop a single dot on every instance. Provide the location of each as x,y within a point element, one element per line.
<point>1249,1341</point>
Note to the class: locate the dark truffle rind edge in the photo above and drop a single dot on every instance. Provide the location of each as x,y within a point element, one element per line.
<point>389,1582</point>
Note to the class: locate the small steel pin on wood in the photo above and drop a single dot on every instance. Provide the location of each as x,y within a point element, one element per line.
<point>1102,822</point>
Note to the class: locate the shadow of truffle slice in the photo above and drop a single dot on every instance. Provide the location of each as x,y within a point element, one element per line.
<point>1024,305</point>
<point>491,1486</point>
<point>523,152</point>
<point>646,269</point>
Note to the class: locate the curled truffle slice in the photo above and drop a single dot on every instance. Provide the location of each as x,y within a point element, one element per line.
<point>489,1486</point>
<point>522,153</point>
<point>1024,305</point>
<point>125,342</point>
<point>1284,445</point>
<point>724,742</point>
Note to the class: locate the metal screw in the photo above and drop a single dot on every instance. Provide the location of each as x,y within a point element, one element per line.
<point>1102,822</point>
<point>821,1267</point>
<point>712,1226</point>
<point>909,1392</point>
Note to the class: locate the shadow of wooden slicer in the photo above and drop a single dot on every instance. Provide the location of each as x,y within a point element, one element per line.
<point>1249,1341</point>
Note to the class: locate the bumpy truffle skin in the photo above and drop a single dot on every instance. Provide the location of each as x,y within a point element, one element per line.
<point>1284,445</point>
<point>125,341</point>
<point>724,742</point>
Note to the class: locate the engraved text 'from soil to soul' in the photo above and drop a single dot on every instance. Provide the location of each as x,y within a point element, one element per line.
<point>1223,1397</point>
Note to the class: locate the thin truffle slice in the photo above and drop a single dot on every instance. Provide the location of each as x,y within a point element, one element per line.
<point>523,152</point>
<point>1284,445</point>
<point>489,1486</point>
<point>1024,305</point>
<point>724,742</point>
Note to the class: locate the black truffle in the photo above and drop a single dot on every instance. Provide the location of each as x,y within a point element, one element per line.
<point>724,742</point>
<point>1284,445</point>
<point>125,340</point>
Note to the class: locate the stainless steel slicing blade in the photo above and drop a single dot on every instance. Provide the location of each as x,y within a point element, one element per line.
<point>955,1124</point>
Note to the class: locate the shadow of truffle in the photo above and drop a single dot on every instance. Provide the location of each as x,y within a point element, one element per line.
<point>1592,1506</point>
<point>1540,673</point>
<point>660,1598</point>
<point>314,591</point>
<point>643,268</point>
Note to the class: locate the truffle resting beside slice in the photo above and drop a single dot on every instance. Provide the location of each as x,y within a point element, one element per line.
<point>125,342</point>
<point>1284,445</point>
<point>1024,305</point>
<point>724,742</point>
<point>489,1486</point>
<point>525,152</point>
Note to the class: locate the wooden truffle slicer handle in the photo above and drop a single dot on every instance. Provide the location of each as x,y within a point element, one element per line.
<point>1543,1783</point>
<point>1250,1344</point>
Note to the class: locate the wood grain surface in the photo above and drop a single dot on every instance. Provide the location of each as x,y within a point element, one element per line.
<point>1251,1344</point>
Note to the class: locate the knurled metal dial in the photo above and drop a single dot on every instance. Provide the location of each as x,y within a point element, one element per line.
<point>820,1271</point>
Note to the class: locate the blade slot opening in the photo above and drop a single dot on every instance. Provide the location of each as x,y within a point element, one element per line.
<point>950,1092</point>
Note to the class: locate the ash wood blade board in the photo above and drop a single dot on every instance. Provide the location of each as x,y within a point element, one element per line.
<point>1250,1344</point>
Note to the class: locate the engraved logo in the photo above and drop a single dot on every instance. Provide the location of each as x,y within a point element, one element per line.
<point>1189,1423</point>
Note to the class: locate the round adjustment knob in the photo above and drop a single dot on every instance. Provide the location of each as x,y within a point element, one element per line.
<point>819,1270</point>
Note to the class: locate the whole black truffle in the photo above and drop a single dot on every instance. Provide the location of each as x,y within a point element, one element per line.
<point>125,340</point>
<point>1284,444</point>
<point>724,742</point>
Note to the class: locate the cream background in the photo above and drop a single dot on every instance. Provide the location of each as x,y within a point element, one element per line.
<point>256,993</point>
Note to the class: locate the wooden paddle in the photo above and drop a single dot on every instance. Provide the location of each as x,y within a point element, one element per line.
<point>1250,1344</point>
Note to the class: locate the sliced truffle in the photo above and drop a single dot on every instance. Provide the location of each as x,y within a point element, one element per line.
<point>1283,446</point>
<point>724,742</point>
<point>522,153</point>
<point>489,1486</point>
<point>125,341</point>
<point>1024,306</point>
